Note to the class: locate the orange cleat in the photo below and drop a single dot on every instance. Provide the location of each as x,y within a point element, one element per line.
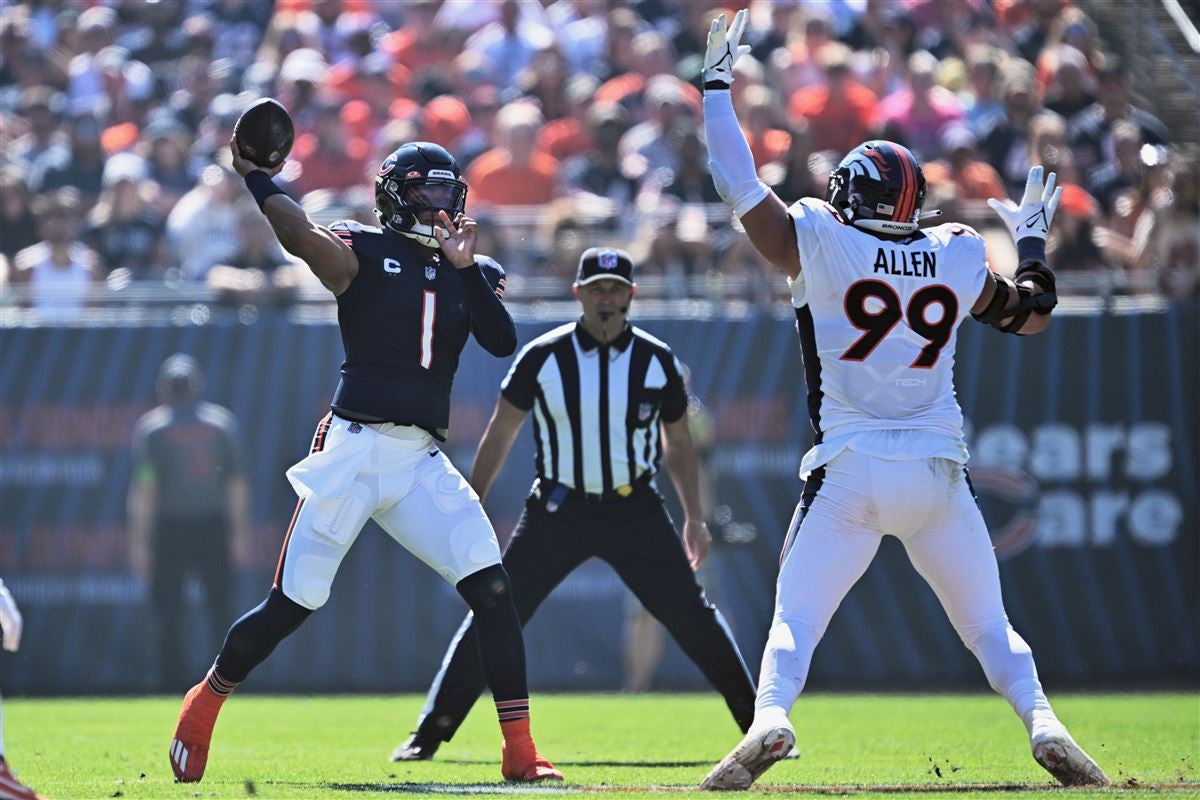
<point>13,789</point>
<point>193,732</point>
<point>521,763</point>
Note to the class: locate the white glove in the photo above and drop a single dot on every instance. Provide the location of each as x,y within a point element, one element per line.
<point>10,620</point>
<point>723,50</point>
<point>1033,216</point>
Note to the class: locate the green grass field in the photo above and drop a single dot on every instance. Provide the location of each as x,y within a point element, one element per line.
<point>631,746</point>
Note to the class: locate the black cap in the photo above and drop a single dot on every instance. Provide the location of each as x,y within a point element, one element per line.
<point>599,263</point>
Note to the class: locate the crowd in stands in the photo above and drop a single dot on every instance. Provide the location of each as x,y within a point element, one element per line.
<point>576,122</point>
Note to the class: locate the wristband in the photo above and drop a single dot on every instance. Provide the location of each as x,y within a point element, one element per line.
<point>261,186</point>
<point>1031,248</point>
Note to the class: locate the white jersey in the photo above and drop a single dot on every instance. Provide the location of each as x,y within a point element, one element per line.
<point>878,333</point>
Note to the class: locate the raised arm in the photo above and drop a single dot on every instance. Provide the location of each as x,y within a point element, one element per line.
<point>762,213</point>
<point>329,258</point>
<point>493,451</point>
<point>1023,305</point>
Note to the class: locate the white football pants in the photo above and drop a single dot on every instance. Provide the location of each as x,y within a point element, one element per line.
<point>925,503</point>
<point>395,475</point>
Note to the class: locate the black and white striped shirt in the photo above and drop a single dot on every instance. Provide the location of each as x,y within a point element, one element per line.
<point>596,408</point>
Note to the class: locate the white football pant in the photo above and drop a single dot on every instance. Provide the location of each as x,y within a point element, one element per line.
<point>395,475</point>
<point>927,504</point>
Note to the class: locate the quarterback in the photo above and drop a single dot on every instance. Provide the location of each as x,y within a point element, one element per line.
<point>408,295</point>
<point>878,302</point>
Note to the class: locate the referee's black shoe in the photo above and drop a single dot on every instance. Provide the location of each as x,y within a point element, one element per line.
<point>417,747</point>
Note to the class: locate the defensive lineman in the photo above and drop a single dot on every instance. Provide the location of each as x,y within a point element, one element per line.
<point>877,312</point>
<point>408,295</point>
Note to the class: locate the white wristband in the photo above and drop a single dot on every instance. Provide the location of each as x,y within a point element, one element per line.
<point>729,156</point>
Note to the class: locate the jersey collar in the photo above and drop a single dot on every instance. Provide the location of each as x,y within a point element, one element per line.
<point>589,342</point>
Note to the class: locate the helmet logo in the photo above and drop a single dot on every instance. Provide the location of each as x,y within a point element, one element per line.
<point>416,173</point>
<point>388,164</point>
<point>871,163</point>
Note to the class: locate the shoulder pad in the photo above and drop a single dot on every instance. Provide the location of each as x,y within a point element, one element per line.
<point>487,263</point>
<point>948,230</point>
<point>353,227</point>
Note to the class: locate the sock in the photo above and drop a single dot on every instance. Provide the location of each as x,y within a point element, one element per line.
<point>254,636</point>
<point>498,631</point>
<point>513,710</point>
<point>218,685</point>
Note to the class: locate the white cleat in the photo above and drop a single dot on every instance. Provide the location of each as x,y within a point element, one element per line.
<point>1057,752</point>
<point>753,756</point>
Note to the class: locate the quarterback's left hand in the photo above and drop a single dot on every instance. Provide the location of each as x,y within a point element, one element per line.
<point>696,540</point>
<point>723,50</point>
<point>457,239</point>
<point>10,620</point>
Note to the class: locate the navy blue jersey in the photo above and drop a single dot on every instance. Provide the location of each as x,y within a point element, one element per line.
<point>404,321</point>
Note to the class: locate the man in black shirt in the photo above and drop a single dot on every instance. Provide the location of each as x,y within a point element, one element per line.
<point>408,294</point>
<point>606,397</point>
<point>188,507</point>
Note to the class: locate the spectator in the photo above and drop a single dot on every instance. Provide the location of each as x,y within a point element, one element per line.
<point>40,108</point>
<point>166,156</point>
<point>1123,171</point>
<point>80,167</point>
<point>58,272</point>
<point>1004,145</point>
<point>511,43</point>
<point>568,136</point>
<point>202,229</point>
<point>973,177</point>
<point>545,81</point>
<point>840,111</point>
<point>600,171</point>
<point>329,156</point>
<point>792,176</point>
<point>1072,244</point>
<point>124,229</point>
<point>1092,131</point>
<point>667,108</point>
<point>1069,90</point>
<point>514,172</point>
<point>762,126</point>
<point>17,222</point>
<point>985,100</point>
<point>258,271</point>
<point>916,116</point>
<point>1175,252</point>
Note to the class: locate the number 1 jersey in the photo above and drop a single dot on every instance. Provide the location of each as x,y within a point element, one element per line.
<point>878,331</point>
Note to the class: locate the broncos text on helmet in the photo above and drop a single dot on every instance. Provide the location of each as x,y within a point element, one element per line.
<point>415,182</point>
<point>879,186</point>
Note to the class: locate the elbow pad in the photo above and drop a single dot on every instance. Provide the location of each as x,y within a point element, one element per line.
<point>1022,300</point>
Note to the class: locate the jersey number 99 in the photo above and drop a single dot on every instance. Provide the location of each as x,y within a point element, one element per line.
<point>876,325</point>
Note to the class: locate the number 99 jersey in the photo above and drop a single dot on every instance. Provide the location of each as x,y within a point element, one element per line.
<point>879,329</point>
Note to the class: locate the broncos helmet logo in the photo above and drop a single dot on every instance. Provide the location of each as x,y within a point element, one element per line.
<point>878,186</point>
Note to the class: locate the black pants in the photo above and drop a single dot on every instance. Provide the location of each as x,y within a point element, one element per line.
<point>636,536</point>
<point>197,545</point>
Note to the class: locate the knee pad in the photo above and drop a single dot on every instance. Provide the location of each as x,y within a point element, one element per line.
<point>308,582</point>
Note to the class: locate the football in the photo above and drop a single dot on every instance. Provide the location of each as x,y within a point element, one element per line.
<point>264,133</point>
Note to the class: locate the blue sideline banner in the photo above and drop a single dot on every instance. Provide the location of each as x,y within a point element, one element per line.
<point>1084,454</point>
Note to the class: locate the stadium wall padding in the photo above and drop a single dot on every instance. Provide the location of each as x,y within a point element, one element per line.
<point>1084,453</point>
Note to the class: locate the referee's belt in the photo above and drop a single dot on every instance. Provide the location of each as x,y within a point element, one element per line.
<point>547,487</point>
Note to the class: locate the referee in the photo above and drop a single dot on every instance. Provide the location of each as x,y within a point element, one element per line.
<point>600,391</point>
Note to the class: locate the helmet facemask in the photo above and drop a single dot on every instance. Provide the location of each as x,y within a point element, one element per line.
<point>410,206</point>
